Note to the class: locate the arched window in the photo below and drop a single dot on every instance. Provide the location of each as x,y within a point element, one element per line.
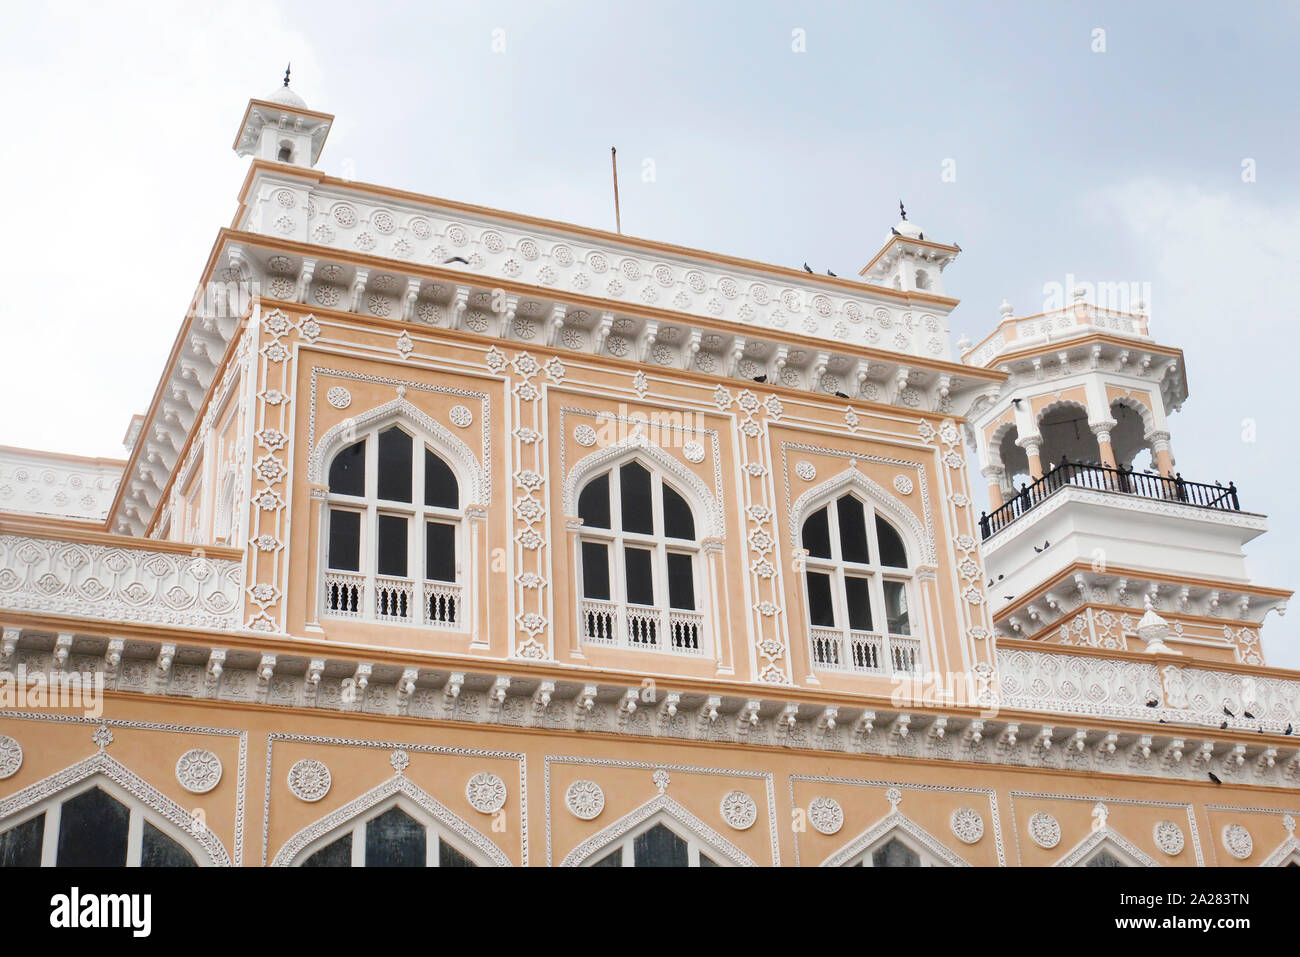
<point>639,563</point>
<point>285,152</point>
<point>393,537</point>
<point>95,826</point>
<point>893,851</point>
<point>859,586</point>
<point>389,835</point>
<point>653,845</point>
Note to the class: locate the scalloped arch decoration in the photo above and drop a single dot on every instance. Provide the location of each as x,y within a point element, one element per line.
<point>398,784</point>
<point>102,765</point>
<point>1138,407</point>
<point>921,545</point>
<point>638,446</point>
<point>459,455</point>
<point>891,822</point>
<point>664,807</point>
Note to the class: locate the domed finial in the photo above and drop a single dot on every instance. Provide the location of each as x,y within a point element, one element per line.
<point>902,210</point>
<point>286,73</point>
<point>1006,309</point>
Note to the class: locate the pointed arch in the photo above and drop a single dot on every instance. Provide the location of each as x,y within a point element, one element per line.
<point>665,808</point>
<point>1285,853</point>
<point>1111,840</point>
<point>921,545</point>
<point>101,764</point>
<point>895,822</point>
<point>458,455</point>
<point>1140,408</point>
<point>1062,403</point>
<point>401,785</point>
<point>995,442</point>
<point>637,445</point>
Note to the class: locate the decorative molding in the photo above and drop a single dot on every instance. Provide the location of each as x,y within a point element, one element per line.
<point>584,799</point>
<point>486,792</point>
<point>663,806</point>
<point>895,820</point>
<point>198,771</point>
<point>309,780</point>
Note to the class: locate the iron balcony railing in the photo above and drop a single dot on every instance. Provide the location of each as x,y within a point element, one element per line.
<point>1128,481</point>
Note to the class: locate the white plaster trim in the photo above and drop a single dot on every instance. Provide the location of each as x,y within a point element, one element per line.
<point>1106,835</point>
<point>665,807</point>
<point>851,478</point>
<point>893,821</point>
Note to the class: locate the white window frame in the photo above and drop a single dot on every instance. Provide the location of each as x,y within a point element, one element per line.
<point>876,574</point>
<point>616,539</point>
<point>864,857</point>
<point>417,516</point>
<point>52,808</point>
<point>434,835</point>
<point>627,844</point>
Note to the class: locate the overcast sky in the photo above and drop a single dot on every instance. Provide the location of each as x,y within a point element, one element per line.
<point>1117,166</point>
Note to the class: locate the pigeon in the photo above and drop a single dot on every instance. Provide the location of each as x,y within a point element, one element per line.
<point>1288,729</point>
<point>956,247</point>
<point>1247,714</point>
<point>1214,777</point>
<point>456,259</point>
<point>1000,577</point>
<point>1153,703</point>
<point>807,268</point>
<point>1008,597</point>
<point>840,395</point>
<point>1163,721</point>
<point>1224,726</point>
<point>760,379</point>
<point>829,273</point>
<point>894,231</point>
<point>1037,549</point>
<point>1227,712</point>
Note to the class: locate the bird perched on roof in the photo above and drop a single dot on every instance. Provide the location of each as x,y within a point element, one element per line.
<point>807,268</point>
<point>1214,777</point>
<point>1227,712</point>
<point>760,379</point>
<point>456,259</point>
<point>829,273</point>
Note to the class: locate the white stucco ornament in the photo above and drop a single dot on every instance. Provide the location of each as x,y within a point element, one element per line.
<point>826,815</point>
<point>967,825</point>
<point>739,810</point>
<point>11,757</point>
<point>339,397</point>
<point>486,792</point>
<point>805,470</point>
<point>1044,830</point>
<point>584,799</point>
<point>198,771</point>
<point>309,780</point>
<point>1169,838</point>
<point>1237,841</point>
<point>461,417</point>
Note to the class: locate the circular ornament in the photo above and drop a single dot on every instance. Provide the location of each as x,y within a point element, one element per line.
<point>739,810</point>
<point>585,436</point>
<point>1237,841</point>
<point>1169,838</point>
<point>584,799</point>
<point>198,771</point>
<point>694,452</point>
<point>460,416</point>
<point>1044,830</point>
<point>486,793</point>
<point>339,397</point>
<point>11,757</point>
<point>309,780</point>
<point>805,470</point>
<point>967,824</point>
<point>903,485</point>
<point>826,815</point>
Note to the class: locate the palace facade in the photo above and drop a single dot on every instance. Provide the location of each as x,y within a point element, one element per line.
<point>456,537</point>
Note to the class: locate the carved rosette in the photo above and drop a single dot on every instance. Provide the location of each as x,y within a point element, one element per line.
<point>584,799</point>
<point>1044,830</point>
<point>11,757</point>
<point>967,825</point>
<point>1169,838</point>
<point>486,793</point>
<point>825,815</point>
<point>309,780</point>
<point>198,771</point>
<point>1237,841</point>
<point>739,810</point>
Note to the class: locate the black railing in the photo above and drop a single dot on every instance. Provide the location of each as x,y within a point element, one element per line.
<point>1129,481</point>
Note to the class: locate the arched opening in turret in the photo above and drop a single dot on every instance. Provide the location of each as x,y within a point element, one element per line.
<point>1015,462</point>
<point>1128,438</point>
<point>1066,435</point>
<point>285,153</point>
<point>922,280</point>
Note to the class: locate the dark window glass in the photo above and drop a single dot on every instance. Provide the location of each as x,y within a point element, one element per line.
<point>820,609</point>
<point>640,579</point>
<point>337,854</point>
<point>895,854</point>
<point>681,581</point>
<point>395,839</point>
<point>678,521</point>
<point>857,597</point>
<point>439,552</point>
<point>595,571</point>
<point>593,503</point>
<point>634,493</point>
<point>159,850</point>
<point>440,488</point>
<point>392,545</point>
<point>21,846</point>
<point>345,540</point>
<point>896,608</point>
<point>92,831</point>
<point>707,861</point>
<point>817,534</point>
<point>611,860</point>
<point>892,552</point>
<point>1105,859</point>
<point>659,847</point>
<point>853,531</point>
<point>394,465</point>
<point>348,471</point>
<point>448,856</point>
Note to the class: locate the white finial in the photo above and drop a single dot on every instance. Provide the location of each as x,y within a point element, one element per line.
<point>1006,309</point>
<point>1080,292</point>
<point>963,343</point>
<point>1153,630</point>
